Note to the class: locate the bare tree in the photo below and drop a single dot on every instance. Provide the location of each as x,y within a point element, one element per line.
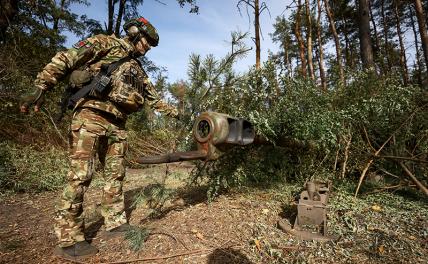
<point>422,29</point>
<point>336,41</point>
<point>385,34</point>
<point>364,34</point>
<point>297,32</point>
<point>320,47</point>
<point>128,9</point>
<point>417,51</point>
<point>375,31</point>
<point>120,13</point>
<point>403,58</point>
<point>309,39</point>
<point>257,11</point>
<point>110,20</point>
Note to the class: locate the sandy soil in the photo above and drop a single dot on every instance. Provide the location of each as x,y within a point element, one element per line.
<point>239,227</point>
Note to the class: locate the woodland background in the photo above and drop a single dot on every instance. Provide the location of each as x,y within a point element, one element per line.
<point>343,86</point>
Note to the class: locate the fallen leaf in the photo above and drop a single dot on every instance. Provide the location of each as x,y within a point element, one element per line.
<point>412,238</point>
<point>376,208</point>
<point>381,249</point>
<point>258,245</point>
<point>265,211</point>
<point>199,235</point>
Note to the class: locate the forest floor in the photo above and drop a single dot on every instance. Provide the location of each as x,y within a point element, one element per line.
<point>237,227</point>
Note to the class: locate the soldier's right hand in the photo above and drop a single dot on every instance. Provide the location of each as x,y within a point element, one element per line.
<point>36,98</point>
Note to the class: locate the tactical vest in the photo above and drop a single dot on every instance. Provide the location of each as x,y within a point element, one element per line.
<point>127,86</point>
<point>121,83</point>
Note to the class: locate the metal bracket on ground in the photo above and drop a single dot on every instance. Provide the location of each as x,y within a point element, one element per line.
<point>311,219</point>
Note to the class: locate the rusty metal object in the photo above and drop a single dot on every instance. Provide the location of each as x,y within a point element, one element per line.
<point>214,134</point>
<point>311,219</point>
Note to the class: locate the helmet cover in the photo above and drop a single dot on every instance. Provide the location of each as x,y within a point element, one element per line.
<point>145,29</point>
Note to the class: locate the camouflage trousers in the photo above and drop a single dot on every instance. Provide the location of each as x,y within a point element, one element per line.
<point>88,130</point>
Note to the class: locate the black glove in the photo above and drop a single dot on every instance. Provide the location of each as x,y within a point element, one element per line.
<point>36,98</point>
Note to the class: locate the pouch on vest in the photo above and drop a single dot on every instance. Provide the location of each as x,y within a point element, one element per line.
<point>79,78</point>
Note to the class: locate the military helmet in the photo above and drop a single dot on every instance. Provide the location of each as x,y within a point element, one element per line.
<point>140,27</point>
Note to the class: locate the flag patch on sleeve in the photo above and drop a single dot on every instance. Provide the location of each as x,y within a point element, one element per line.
<point>82,44</point>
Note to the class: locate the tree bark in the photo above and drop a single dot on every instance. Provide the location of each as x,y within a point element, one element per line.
<point>8,10</point>
<point>364,34</point>
<point>347,49</point>
<point>119,17</point>
<point>257,31</point>
<point>300,40</point>
<point>336,41</point>
<point>418,55</point>
<point>422,29</point>
<point>309,40</point>
<point>385,36</point>
<point>320,48</point>
<point>287,61</point>
<point>376,37</point>
<point>57,17</point>
<point>403,58</point>
<point>111,4</point>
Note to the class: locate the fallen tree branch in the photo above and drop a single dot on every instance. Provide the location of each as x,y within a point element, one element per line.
<point>367,138</point>
<point>390,187</point>
<point>348,140</point>
<point>389,173</point>
<point>193,252</point>
<point>363,174</point>
<point>413,178</point>
<point>402,158</point>
<point>376,154</point>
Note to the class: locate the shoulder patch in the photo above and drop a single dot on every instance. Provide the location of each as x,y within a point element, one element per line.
<point>82,44</point>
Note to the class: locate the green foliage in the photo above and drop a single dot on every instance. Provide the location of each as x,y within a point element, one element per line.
<point>29,169</point>
<point>136,237</point>
<point>154,196</point>
<point>311,127</point>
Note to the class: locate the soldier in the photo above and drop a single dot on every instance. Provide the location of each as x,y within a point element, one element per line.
<point>99,115</point>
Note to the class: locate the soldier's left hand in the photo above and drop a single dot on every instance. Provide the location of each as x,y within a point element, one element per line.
<point>36,98</point>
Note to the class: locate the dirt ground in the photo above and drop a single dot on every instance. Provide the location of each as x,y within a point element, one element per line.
<point>240,227</point>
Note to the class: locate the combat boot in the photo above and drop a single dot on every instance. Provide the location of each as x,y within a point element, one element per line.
<point>80,249</point>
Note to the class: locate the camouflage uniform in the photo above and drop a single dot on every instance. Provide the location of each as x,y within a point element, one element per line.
<point>95,120</point>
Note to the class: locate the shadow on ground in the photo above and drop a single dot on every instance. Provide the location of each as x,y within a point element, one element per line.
<point>227,255</point>
<point>182,198</point>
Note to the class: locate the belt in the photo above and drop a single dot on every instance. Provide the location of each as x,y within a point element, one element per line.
<point>109,116</point>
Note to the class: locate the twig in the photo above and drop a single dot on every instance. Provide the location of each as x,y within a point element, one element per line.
<point>193,252</point>
<point>414,179</point>
<point>170,235</point>
<point>390,187</point>
<point>48,115</point>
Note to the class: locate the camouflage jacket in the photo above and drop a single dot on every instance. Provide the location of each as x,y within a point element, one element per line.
<point>130,84</point>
